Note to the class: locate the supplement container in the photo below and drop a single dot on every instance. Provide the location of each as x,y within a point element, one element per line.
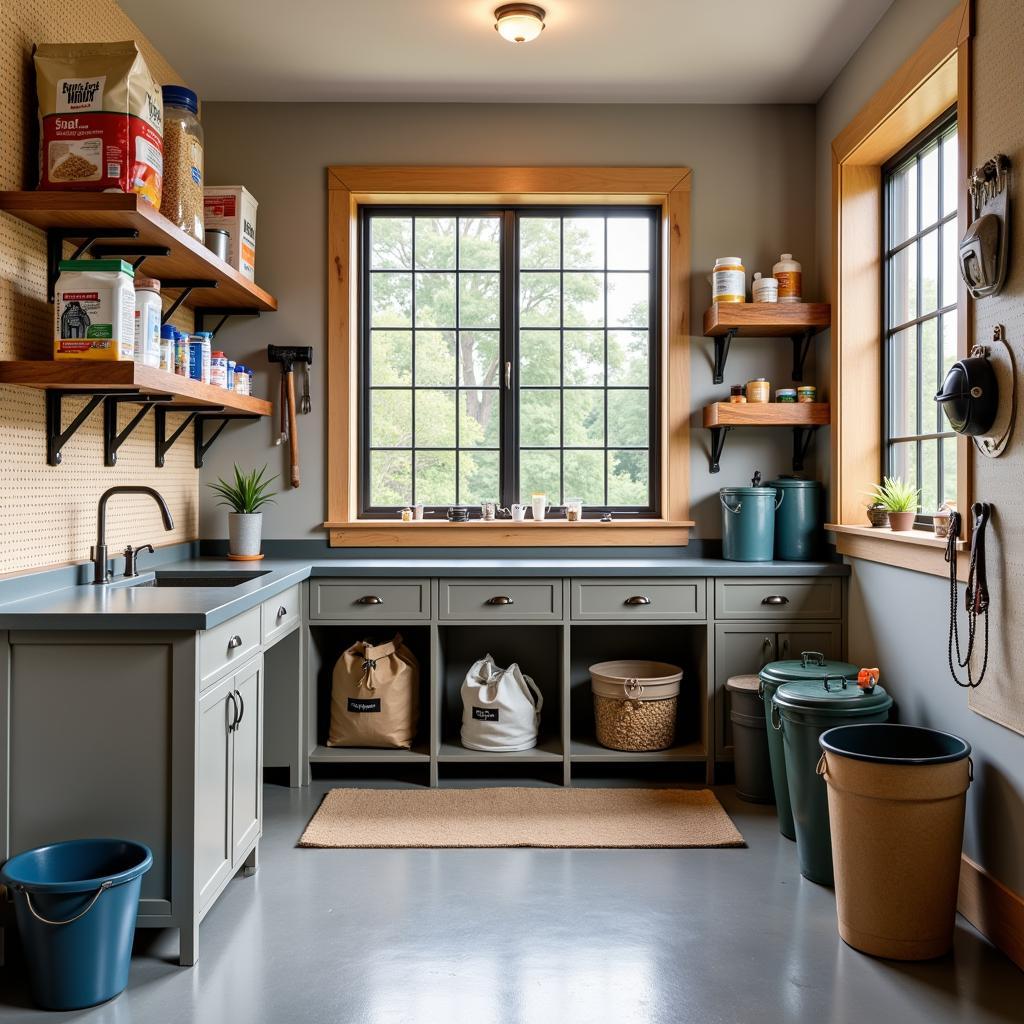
<point>148,311</point>
<point>807,393</point>
<point>233,208</point>
<point>180,353</point>
<point>241,379</point>
<point>168,346</point>
<point>199,356</point>
<point>764,289</point>
<point>729,280</point>
<point>789,274</point>
<point>759,390</point>
<point>94,310</point>
<point>786,395</point>
<point>737,393</point>
<point>251,374</point>
<point>231,375</point>
<point>635,704</point>
<point>218,242</point>
<point>219,369</point>
<point>182,201</point>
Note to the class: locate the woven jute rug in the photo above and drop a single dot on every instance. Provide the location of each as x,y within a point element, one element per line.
<point>520,816</point>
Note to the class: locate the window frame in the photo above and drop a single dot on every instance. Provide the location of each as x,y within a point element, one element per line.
<point>509,450</point>
<point>349,186</point>
<point>911,154</point>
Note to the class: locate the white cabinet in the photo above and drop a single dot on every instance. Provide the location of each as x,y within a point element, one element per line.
<point>247,762</point>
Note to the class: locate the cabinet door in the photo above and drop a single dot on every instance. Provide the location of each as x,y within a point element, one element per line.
<point>213,789</point>
<point>247,773</point>
<point>824,637</point>
<point>740,649</point>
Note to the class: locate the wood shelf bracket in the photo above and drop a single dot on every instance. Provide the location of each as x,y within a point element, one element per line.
<point>801,346</point>
<point>56,237</point>
<point>722,343</point>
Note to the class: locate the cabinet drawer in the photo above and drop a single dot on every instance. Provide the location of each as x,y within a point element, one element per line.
<point>501,600</point>
<point>779,598</point>
<point>381,600</point>
<point>230,643</point>
<point>623,600</point>
<point>280,615</point>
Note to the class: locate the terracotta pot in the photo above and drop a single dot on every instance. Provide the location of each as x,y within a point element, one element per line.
<point>902,521</point>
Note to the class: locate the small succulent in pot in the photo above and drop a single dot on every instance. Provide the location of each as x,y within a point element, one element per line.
<point>245,496</point>
<point>877,515</point>
<point>900,500</point>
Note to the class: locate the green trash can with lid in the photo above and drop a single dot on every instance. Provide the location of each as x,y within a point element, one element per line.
<point>800,713</point>
<point>811,666</point>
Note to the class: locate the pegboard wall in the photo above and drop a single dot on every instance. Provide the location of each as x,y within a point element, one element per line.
<point>48,513</point>
<point>997,127</point>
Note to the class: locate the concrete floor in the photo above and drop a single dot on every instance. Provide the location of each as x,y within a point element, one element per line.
<point>532,937</point>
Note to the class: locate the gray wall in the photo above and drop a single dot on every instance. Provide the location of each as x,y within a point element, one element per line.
<point>753,183</point>
<point>898,619</point>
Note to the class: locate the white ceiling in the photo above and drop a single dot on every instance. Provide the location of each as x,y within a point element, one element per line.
<point>592,51</point>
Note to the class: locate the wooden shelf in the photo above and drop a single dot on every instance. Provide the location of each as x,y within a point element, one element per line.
<point>766,319</point>
<point>102,376</point>
<point>767,414</point>
<point>79,216</point>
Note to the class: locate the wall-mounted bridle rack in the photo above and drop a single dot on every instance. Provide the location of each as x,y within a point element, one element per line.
<point>801,346</point>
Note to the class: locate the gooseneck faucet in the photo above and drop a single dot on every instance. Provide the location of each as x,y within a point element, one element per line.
<point>99,552</point>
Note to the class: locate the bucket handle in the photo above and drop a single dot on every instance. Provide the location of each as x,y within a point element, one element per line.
<point>71,920</point>
<point>822,767</point>
<point>782,494</point>
<point>776,717</point>
<point>827,676</point>
<point>633,689</point>
<point>728,508</point>
<point>811,658</point>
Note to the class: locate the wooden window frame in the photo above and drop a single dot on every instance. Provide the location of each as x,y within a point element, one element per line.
<point>350,187</point>
<point>933,79</point>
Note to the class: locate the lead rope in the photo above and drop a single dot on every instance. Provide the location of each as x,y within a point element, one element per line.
<point>977,599</point>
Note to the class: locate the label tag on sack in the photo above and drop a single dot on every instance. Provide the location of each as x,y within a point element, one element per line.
<point>485,714</point>
<point>361,706</point>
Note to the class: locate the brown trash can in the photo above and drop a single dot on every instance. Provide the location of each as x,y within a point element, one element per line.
<point>750,740</point>
<point>896,801</point>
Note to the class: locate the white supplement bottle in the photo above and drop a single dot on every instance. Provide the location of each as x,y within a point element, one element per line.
<point>729,280</point>
<point>94,310</point>
<point>148,311</point>
<point>789,274</point>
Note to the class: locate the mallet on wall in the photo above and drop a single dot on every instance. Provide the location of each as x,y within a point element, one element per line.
<point>288,356</point>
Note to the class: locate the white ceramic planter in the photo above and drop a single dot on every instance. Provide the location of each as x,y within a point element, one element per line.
<point>244,532</point>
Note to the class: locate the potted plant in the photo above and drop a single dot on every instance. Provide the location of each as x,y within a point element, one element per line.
<point>900,500</point>
<point>245,496</point>
<point>877,516</point>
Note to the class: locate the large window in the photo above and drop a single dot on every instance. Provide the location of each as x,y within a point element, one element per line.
<point>920,315</point>
<point>508,352</point>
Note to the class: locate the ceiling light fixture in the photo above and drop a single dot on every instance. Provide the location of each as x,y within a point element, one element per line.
<point>519,23</point>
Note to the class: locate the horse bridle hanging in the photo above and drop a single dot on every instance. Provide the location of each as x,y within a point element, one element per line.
<point>976,598</point>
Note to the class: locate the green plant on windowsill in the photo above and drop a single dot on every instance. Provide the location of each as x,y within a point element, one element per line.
<point>899,499</point>
<point>245,496</point>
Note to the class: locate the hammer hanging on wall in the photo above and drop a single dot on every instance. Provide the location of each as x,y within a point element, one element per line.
<point>288,356</point>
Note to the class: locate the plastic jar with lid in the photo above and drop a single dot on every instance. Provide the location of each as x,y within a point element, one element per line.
<point>182,200</point>
<point>729,280</point>
<point>219,369</point>
<point>241,379</point>
<point>789,274</point>
<point>148,311</point>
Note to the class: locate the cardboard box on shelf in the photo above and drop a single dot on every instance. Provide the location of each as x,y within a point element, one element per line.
<point>233,208</point>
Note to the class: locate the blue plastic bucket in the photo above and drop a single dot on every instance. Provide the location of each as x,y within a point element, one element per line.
<point>748,523</point>
<point>76,905</point>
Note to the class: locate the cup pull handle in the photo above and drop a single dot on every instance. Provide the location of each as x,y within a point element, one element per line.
<point>369,599</point>
<point>282,612</point>
<point>500,599</point>
<point>775,599</point>
<point>637,599</point>
<point>235,641</point>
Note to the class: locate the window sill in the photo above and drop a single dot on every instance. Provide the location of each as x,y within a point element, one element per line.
<point>908,549</point>
<point>504,532</point>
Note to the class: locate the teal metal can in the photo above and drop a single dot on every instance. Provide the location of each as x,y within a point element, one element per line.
<point>748,523</point>
<point>798,523</point>
<point>802,712</point>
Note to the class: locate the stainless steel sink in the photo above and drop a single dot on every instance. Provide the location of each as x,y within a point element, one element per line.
<point>212,578</point>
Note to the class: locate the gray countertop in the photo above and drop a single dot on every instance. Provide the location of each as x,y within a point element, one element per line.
<point>119,606</point>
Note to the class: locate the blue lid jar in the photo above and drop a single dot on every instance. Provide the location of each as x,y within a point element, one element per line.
<point>179,96</point>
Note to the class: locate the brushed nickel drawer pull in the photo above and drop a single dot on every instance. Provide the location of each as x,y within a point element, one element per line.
<point>500,599</point>
<point>775,599</point>
<point>637,599</point>
<point>369,599</point>
<point>235,641</point>
<point>282,612</point>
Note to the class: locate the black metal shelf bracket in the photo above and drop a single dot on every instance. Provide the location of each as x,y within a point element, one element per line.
<point>223,312</point>
<point>137,252</point>
<point>56,237</point>
<point>187,286</point>
<point>56,434</point>
<point>163,442</point>
<point>722,343</point>
<point>112,438</point>
<point>717,444</point>
<point>200,445</point>
<point>801,346</point>
<point>802,437</point>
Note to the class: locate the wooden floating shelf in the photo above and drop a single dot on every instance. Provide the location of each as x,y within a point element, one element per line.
<point>103,376</point>
<point>80,216</point>
<point>766,319</point>
<point>767,414</point>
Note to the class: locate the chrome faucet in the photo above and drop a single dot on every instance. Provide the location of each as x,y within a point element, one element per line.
<point>99,552</point>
